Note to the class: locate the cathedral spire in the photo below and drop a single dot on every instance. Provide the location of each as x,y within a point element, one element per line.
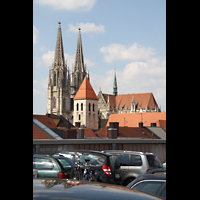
<point>79,69</point>
<point>115,85</point>
<point>79,61</point>
<point>59,53</point>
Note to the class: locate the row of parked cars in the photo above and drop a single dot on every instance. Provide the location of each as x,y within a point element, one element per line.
<point>135,170</point>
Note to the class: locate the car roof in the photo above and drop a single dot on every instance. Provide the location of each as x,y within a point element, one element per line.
<point>85,151</point>
<point>59,189</point>
<point>128,152</point>
<point>42,155</point>
<point>147,177</point>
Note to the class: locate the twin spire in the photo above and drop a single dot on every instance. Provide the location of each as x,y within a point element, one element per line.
<point>59,52</point>
<point>79,66</point>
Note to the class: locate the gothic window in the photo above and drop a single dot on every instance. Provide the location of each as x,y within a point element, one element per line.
<point>93,107</point>
<point>81,106</point>
<point>57,77</point>
<point>77,106</point>
<point>64,80</point>
<point>54,79</point>
<point>89,107</point>
<point>79,117</point>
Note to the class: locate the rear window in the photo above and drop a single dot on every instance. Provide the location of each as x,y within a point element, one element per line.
<point>66,163</point>
<point>154,161</point>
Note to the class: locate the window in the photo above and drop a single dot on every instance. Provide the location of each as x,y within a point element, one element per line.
<point>79,117</point>
<point>89,106</point>
<point>66,163</point>
<point>153,161</point>
<point>148,187</point>
<point>163,194</point>
<point>93,107</point>
<point>41,163</point>
<point>81,106</point>
<point>54,79</point>
<point>135,160</point>
<point>125,160</point>
<point>77,106</point>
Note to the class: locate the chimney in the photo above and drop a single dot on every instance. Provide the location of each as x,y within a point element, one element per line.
<point>70,134</point>
<point>114,125</point>
<point>81,133</point>
<point>112,133</point>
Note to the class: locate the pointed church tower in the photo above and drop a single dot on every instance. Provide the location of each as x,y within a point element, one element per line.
<point>115,85</point>
<point>86,106</point>
<point>79,70</point>
<point>58,100</point>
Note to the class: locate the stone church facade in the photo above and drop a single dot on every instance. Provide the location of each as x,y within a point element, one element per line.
<point>63,85</point>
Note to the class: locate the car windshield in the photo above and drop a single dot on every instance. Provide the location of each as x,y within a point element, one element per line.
<point>66,163</point>
<point>154,161</point>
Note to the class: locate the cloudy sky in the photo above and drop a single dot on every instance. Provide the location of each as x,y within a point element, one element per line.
<point>129,35</point>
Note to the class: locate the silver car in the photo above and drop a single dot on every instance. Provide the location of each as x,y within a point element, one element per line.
<point>134,163</point>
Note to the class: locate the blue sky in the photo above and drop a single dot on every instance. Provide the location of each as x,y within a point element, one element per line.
<point>129,35</point>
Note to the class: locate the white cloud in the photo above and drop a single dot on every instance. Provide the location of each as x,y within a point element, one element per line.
<point>86,28</point>
<point>116,52</point>
<point>35,32</point>
<point>74,5</point>
<point>136,77</point>
<point>46,60</point>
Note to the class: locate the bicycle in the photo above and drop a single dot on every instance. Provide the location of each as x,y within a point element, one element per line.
<point>77,172</point>
<point>89,172</point>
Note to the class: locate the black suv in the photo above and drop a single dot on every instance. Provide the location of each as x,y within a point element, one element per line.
<point>134,163</point>
<point>105,165</point>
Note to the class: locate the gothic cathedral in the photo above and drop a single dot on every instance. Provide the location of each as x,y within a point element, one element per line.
<point>63,86</point>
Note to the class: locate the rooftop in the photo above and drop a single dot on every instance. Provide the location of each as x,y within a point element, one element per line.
<point>85,91</point>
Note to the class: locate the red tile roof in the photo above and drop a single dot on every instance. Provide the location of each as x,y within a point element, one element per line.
<point>133,119</point>
<point>128,132</point>
<point>111,100</point>
<point>38,134</point>
<point>47,121</point>
<point>142,100</point>
<point>85,91</point>
<point>162,124</point>
<point>88,133</point>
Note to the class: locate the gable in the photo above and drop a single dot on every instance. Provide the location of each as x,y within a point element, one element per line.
<point>85,91</point>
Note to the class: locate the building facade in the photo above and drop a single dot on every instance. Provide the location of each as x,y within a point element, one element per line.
<point>58,98</point>
<point>86,106</point>
<point>63,85</point>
